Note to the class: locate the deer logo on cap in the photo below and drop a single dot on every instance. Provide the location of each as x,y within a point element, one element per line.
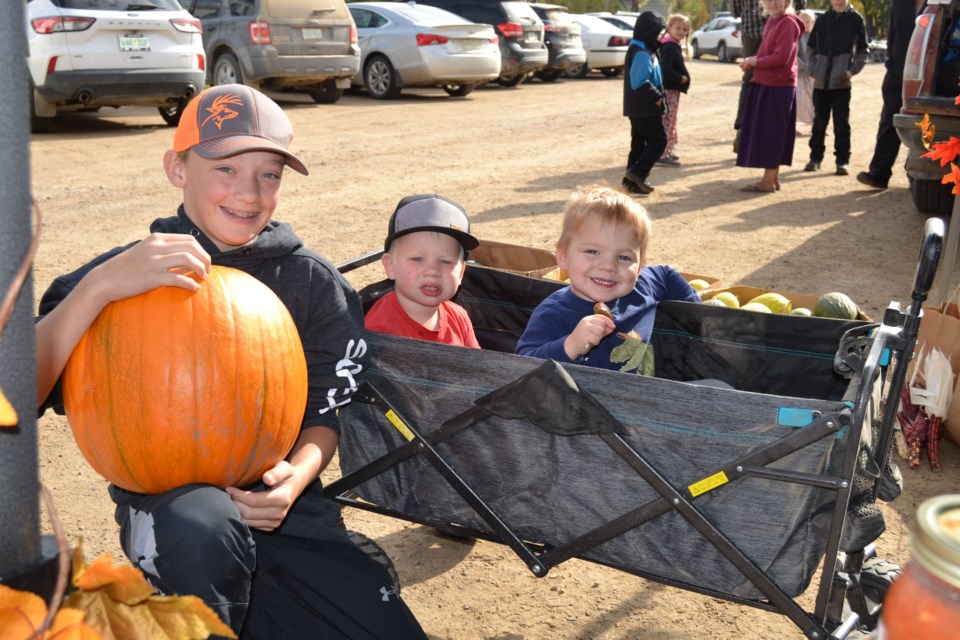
<point>220,110</point>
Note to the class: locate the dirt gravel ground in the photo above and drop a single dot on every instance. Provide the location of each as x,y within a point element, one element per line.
<point>510,156</point>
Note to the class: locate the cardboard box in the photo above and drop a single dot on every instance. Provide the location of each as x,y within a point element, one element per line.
<point>526,261</point>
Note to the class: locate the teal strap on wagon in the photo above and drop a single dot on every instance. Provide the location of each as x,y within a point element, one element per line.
<point>795,417</point>
<point>885,357</point>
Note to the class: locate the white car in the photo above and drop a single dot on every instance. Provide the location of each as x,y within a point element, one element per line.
<point>415,45</point>
<point>86,54</point>
<point>720,37</point>
<point>620,20</point>
<point>605,44</point>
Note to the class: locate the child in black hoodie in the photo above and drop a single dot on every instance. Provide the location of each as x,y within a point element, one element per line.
<point>643,102</point>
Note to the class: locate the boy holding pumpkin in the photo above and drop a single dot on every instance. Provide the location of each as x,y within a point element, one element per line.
<point>273,559</point>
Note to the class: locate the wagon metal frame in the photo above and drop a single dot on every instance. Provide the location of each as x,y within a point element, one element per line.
<point>871,355</point>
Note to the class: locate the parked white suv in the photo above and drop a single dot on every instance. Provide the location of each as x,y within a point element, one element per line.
<point>86,54</point>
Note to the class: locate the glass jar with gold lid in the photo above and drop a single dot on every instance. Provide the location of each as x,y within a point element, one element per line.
<point>924,602</point>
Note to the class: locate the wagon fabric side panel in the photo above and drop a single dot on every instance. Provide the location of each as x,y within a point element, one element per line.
<point>553,488</point>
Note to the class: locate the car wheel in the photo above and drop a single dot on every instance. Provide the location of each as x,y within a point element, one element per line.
<point>549,76</point>
<point>576,71</point>
<point>930,196</point>
<point>511,80</point>
<point>380,78</point>
<point>459,90</point>
<point>171,114</point>
<point>611,72</point>
<point>226,70</point>
<point>326,92</point>
<point>695,50</point>
<point>722,52</point>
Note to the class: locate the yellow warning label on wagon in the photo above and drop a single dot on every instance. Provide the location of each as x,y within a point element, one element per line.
<point>401,427</point>
<point>708,484</point>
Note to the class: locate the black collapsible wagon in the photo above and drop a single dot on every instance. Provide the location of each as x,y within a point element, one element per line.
<point>754,487</point>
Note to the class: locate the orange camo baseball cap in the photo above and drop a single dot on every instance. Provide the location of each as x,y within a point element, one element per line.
<point>228,119</point>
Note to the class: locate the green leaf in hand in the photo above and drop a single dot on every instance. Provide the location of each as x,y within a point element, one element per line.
<point>637,354</point>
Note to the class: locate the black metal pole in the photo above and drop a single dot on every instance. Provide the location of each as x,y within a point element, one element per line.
<point>25,556</point>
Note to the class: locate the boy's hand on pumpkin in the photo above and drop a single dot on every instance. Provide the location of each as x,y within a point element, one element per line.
<point>159,260</point>
<point>266,510</point>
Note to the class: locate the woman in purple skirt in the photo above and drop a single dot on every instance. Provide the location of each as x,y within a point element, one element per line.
<point>770,120</point>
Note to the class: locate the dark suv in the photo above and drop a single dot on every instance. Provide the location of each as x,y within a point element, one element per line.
<point>562,37</point>
<point>930,78</point>
<point>520,31</point>
<point>280,44</point>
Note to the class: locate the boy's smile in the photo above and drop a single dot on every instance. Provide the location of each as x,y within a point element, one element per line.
<point>603,261</point>
<point>230,199</point>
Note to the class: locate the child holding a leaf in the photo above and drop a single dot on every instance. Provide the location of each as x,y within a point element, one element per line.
<point>603,247</point>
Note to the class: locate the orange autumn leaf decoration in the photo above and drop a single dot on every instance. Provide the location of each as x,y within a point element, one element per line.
<point>8,417</point>
<point>119,602</point>
<point>109,603</point>
<point>22,613</point>
<point>945,152</point>
<point>927,131</point>
<point>954,177</point>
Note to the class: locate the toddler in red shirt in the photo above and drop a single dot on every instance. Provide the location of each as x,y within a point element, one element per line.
<point>425,255</point>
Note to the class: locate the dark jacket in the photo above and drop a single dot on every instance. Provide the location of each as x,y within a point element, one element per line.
<point>642,79</point>
<point>903,14</point>
<point>837,44</point>
<point>673,67</point>
<point>322,303</point>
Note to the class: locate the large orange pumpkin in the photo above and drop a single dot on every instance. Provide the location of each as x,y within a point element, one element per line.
<point>173,387</point>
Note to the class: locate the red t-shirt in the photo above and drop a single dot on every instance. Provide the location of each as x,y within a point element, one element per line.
<point>387,316</point>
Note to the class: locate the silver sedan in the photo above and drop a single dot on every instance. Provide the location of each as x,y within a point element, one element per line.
<point>411,45</point>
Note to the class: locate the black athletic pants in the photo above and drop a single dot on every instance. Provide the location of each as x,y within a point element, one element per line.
<point>888,142</point>
<point>825,103</point>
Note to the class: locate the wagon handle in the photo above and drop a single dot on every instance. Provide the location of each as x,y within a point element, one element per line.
<point>930,249</point>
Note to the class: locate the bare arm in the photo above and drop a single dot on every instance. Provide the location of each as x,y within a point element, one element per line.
<point>159,260</point>
<point>311,454</point>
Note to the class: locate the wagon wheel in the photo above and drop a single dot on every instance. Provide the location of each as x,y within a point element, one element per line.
<point>876,576</point>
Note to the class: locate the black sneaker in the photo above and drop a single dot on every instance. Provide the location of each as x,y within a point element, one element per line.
<point>640,185</point>
<point>813,165</point>
<point>843,170</point>
<point>867,178</point>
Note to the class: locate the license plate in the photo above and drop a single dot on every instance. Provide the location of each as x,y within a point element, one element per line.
<point>472,45</point>
<point>533,36</point>
<point>313,34</point>
<point>134,42</point>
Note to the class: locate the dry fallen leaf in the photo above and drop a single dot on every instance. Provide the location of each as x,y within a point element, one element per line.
<point>22,613</point>
<point>118,601</point>
<point>109,603</point>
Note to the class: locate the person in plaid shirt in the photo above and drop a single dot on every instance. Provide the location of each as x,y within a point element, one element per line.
<point>751,33</point>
